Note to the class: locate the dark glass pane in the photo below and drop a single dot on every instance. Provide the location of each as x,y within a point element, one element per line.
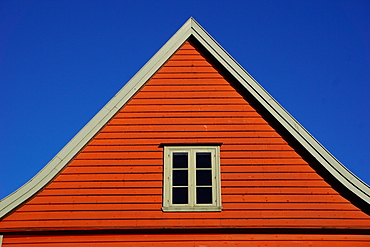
<point>180,160</point>
<point>204,160</point>
<point>204,195</point>
<point>179,195</point>
<point>204,177</point>
<point>180,177</point>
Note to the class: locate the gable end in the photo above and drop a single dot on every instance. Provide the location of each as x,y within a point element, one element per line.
<point>193,31</point>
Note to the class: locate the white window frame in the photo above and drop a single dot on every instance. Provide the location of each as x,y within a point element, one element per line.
<point>216,180</point>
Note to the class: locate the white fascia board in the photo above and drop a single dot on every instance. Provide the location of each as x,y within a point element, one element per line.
<point>327,160</point>
<point>96,123</point>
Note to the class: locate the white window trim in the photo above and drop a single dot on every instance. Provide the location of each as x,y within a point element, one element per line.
<point>216,180</point>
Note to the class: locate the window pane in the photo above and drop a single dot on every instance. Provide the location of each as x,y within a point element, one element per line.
<point>204,177</point>
<point>180,160</point>
<point>204,160</point>
<point>204,195</point>
<point>180,177</point>
<point>179,195</point>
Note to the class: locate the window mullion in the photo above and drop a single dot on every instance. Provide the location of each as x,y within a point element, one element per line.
<point>192,177</point>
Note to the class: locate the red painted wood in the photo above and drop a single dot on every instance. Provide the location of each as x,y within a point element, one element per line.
<point>254,240</point>
<point>116,180</point>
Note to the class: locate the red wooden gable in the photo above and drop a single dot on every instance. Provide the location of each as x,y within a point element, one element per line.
<point>115,181</point>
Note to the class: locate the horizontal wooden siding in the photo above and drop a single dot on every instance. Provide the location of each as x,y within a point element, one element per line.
<point>191,240</point>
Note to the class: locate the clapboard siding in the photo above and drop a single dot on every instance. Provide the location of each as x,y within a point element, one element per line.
<point>229,214</point>
<point>116,180</point>
<point>253,206</point>
<point>194,239</point>
<point>287,222</point>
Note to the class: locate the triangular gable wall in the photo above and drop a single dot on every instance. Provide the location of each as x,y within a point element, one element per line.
<point>260,131</point>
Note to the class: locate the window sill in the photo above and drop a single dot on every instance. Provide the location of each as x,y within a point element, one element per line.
<point>192,209</point>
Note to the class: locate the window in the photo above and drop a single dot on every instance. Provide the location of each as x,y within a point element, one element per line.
<point>191,178</point>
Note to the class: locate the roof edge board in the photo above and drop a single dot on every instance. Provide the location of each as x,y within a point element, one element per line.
<point>96,123</point>
<point>330,163</point>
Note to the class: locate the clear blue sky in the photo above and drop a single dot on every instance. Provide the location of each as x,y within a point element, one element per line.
<point>61,61</point>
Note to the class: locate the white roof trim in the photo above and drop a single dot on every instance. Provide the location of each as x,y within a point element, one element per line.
<point>190,28</point>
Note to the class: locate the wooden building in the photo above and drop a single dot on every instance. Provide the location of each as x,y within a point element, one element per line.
<point>191,152</point>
